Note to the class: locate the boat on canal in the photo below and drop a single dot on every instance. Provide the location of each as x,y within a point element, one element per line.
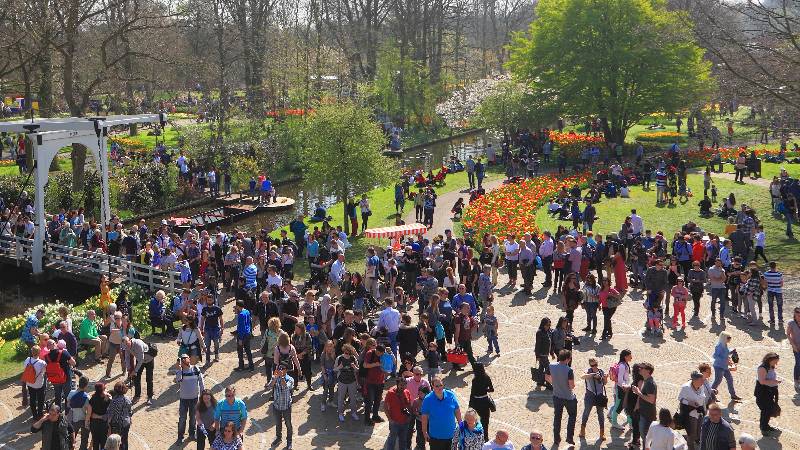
<point>227,214</point>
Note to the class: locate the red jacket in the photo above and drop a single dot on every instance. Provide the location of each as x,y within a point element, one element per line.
<point>395,402</point>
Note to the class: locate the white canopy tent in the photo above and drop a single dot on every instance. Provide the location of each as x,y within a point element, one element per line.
<point>47,136</point>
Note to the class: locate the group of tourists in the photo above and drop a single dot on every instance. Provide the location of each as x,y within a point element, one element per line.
<point>372,339</point>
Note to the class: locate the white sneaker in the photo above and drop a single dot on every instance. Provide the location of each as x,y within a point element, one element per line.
<point>322,407</point>
<point>341,418</point>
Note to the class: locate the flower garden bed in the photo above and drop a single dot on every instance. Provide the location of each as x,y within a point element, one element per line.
<point>511,208</point>
<point>571,144</point>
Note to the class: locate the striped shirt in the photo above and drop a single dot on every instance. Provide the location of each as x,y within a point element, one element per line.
<point>661,179</point>
<point>774,281</point>
<point>250,273</point>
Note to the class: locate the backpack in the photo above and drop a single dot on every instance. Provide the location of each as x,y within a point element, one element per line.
<point>152,349</point>
<point>55,373</point>
<point>387,363</point>
<point>613,371</point>
<point>29,375</point>
<point>75,405</point>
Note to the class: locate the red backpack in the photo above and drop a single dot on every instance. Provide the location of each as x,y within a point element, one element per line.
<point>55,373</point>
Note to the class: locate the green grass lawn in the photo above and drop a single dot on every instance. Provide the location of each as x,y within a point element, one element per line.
<point>170,137</point>
<point>611,214</point>
<point>381,201</point>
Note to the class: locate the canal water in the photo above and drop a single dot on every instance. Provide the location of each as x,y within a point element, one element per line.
<point>307,196</point>
<point>17,293</point>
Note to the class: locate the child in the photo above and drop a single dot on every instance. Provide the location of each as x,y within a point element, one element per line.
<point>327,361</point>
<point>433,358</point>
<point>416,410</point>
<point>654,319</point>
<point>490,325</point>
<point>388,361</point>
<point>760,240</point>
<point>313,329</point>
<point>681,295</point>
<point>713,193</point>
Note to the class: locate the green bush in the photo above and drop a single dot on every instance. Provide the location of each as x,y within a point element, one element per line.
<point>146,187</point>
<point>11,328</point>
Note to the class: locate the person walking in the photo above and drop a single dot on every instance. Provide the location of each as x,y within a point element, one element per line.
<point>610,299</point>
<point>346,368</point>
<point>33,376</point>
<point>96,415</point>
<point>766,392</point>
<point>54,428</point>
<point>441,415</point>
<point>244,332</point>
<point>479,399</point>
<point>723,365</point>
<point>396,405</point>
<point>204,417</point>
<point>793,335</point>
<point>78,402</point>
<point>716,433</point>
<point>282,386</point>
<point>595,396</point>
<point>120,414</point>
<point>648,395</point>
<point>693,400</point>
<point>620,374</point>
<point>232,410</point>
<point>562,378</point>
<point>774,280</point>
<point>190,380</point>
<point>543,350</point>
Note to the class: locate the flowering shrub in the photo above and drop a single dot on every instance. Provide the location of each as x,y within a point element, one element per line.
<point>129,145</point>
<point>511,208</point>
<point>571,144</point>
<point>11,328</point>
<point>462,105</point>
<point>654,135</point>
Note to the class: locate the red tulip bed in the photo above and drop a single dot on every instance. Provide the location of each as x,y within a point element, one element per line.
<point>511,208</point>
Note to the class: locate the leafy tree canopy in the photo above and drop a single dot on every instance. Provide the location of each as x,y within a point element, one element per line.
<point>616,59</point>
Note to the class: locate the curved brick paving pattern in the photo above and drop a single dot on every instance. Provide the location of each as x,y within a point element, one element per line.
<point>520,407</point>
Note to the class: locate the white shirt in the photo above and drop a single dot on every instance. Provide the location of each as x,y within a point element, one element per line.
<point>337,271</point>
<point>693,398</point>
<point>546,248</point>
<point>511,249</point>
<point>389,319</point>
<point>276,280</point>
<point>492,445</point>
<point>637,224</point>
<point>660,437</point>
<point>760,239</point>
<point>623,375</point>
<point>38,366</point>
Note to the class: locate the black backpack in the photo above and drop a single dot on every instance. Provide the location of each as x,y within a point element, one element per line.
<point>152,349</point>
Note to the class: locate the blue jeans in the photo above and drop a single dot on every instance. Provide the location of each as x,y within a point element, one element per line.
<point>393,344</point>
<point>572,413</point>
<point>186,407</point>
<point>789,223</point>
<point>796,366</point>
<point>718,293</point>
<point>719,373</point>
<point>588,403</point>
<point>491,337</point>
<point>779,300</point>
<point>644,426</point>
<point>591,315</point>
<point>398,432</point>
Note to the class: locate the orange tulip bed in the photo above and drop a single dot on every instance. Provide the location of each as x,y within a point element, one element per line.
<point>572,144</point>
<point>700,157</point>
<point>511,208</point>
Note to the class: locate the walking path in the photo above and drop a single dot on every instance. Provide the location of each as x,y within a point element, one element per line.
<point>520,407</point>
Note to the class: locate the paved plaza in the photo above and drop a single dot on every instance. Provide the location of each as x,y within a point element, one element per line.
<point>520,407</point>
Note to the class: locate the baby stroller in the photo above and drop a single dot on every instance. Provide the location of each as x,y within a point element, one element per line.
<point>655,320</point>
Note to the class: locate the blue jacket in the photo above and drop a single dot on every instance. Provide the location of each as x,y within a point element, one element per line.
<point>721,354</point>
<point>244,325</point>
<point>458,299</point>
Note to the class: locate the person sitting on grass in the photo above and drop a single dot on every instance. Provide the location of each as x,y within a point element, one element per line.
<point>705,207</point>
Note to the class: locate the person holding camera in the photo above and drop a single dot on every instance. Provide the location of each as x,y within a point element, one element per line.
<point>397,406</point>
<point>595,396</point>
<point>693,400</point>
<point>282,385</point>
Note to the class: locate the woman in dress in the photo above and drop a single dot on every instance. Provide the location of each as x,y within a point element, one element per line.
<point>620,271</point>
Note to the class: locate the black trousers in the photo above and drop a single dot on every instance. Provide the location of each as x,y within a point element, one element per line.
<point>466,346</point>
<point>242,347</point>
<point>137,382</point>
<point>481,406</point>
<point>547,263</point>
<point>608,313</point>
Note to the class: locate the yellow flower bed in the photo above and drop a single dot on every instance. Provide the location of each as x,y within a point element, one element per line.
<point>659,134</point>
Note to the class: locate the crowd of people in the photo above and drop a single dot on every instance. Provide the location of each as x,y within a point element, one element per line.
<point>374,338</point>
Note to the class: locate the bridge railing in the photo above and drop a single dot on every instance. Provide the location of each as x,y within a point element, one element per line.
<point>72,258</point>
<point>17,248</point>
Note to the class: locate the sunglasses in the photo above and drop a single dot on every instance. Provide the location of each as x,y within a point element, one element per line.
<point>536,438</point>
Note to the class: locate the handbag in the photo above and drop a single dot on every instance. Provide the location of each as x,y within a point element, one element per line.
<point>492,404</point>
